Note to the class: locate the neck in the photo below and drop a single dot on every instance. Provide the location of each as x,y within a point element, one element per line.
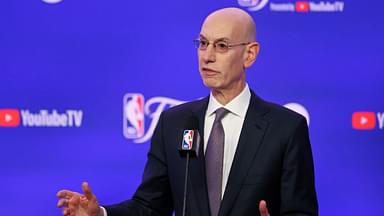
<point>224,96</point>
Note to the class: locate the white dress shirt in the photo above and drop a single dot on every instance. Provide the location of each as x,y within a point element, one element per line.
<point>232,124</point>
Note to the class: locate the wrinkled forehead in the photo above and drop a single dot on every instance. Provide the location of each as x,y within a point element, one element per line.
<point>222,27</point>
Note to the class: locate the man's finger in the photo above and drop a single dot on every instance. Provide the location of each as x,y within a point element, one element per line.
<point>66,212</point>
<point>263,208</point>
<point>62,203</point>
<point>65,194</point>
<point>87,191</point>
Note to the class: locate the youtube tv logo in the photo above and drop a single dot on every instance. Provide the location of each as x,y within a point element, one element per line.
<point>9,118</point>
<point>367,120</point>
<point>42,118</point>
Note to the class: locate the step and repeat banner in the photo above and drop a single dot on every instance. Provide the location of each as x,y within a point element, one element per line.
<point>82,85</point>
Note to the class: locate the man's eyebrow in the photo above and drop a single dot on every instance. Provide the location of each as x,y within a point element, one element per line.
<point>222,39</point>
<point>219,39</point>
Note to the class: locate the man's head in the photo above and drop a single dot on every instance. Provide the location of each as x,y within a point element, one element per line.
<point>224,71</point>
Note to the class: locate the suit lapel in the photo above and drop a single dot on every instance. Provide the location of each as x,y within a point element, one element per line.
<point>250,139</point>
<point>197,165</point>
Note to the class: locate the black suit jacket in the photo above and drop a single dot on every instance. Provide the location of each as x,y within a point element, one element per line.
<point>273,162</point>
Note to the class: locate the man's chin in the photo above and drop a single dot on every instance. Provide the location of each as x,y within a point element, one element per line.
<point>211,84</point>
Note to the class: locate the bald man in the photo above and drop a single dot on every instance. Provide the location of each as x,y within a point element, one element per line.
<point>255,157</point>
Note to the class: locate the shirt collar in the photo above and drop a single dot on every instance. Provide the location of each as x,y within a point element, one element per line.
<point>237,105</point>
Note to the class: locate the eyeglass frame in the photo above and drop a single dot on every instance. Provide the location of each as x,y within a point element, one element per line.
<point>229,45</point>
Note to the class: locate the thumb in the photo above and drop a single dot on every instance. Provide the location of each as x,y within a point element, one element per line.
<point>87,191</point>
<point>263,208</point>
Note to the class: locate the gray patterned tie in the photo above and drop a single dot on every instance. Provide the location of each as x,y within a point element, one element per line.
<point>214,161</point>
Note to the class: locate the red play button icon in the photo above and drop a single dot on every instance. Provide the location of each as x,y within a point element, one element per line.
<point>9,118</point>
<point>363,120</point>
<point>302,6</point>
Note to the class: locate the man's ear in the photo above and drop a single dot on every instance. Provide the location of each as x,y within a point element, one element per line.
<point>251,54</point>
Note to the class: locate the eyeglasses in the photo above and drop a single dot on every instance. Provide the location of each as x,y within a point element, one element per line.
<point>220,46</point>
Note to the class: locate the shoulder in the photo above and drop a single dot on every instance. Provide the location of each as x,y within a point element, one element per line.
<point>276,114</point>
<point>281,113</point>
<point>283,123</point>
<point>186,109</point>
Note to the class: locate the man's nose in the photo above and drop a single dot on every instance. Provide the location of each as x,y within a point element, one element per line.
<point>209,54</point>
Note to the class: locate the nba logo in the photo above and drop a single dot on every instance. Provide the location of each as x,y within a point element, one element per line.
<point>133,116</point>
<point>187,140</point>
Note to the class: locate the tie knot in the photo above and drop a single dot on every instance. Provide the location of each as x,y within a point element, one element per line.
<point>220,113</point>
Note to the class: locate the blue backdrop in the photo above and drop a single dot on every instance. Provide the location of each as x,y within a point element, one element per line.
<point>69,70</point>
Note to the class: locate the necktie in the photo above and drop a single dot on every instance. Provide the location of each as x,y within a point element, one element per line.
<point>214,162</point>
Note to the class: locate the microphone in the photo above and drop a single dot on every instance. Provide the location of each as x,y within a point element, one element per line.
<point>189,147</point>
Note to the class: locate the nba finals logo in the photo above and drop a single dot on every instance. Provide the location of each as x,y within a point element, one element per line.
<point>187,140</point>
<point>253,5</point>
<point>136,109</point>
<point>133,116</point>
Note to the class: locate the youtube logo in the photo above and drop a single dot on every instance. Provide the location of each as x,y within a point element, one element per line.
<point>9,118</point>
<point>302,6</point>
<point>43,118</point>
<point>363,120</point>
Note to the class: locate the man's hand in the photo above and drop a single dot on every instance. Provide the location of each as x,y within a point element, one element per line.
<point>263,208</point>
<point>76,204</point>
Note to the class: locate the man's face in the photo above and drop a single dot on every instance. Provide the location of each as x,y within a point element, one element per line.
<point>221,71</point>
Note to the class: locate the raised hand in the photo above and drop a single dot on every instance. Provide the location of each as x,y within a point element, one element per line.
<point>263,208</point>
<point>76,204</point>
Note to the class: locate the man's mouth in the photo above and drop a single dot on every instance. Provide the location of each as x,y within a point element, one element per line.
<point>209,72</point>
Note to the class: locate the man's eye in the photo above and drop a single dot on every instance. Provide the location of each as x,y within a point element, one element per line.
<point>221,45</point>
<point>203,43</point>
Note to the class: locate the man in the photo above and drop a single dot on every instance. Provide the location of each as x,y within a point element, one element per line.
<point>254,153</point>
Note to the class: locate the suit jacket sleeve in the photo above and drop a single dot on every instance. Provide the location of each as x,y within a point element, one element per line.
<point>298,195</point>
<point>153,197</point>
